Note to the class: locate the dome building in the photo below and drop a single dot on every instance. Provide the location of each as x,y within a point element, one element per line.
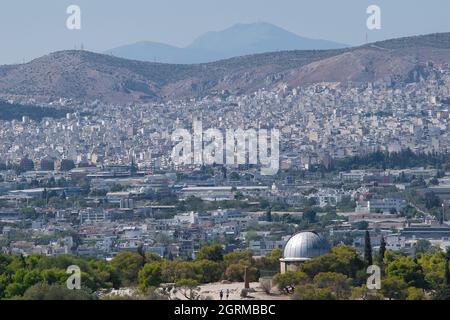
<point>301,247</point>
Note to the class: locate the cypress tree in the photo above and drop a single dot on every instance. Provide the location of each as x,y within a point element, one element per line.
<point>447,273</point>
<point>382,250</point>
<point>367,249</point>
<point>141,252</point>
<point>446,268</point>
<point>269,215</point>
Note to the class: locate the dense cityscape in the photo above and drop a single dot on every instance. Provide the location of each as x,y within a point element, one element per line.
<point>100,182</point>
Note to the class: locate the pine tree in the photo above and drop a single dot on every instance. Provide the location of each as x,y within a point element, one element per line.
<point>443,293</point>
<point>382,250</point>
<point>367,249</point>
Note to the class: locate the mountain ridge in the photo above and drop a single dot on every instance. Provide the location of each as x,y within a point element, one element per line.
<point>88,76</point>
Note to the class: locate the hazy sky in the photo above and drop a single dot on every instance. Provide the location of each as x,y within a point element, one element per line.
<point>31,28</point>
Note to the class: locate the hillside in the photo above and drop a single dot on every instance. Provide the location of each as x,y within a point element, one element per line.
<point>89,76</point>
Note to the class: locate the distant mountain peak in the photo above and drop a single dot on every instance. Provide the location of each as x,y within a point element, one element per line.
<point>237,40</point>
<point>258,37</point>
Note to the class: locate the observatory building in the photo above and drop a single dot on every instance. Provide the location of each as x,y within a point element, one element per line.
<point>301,247</point>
